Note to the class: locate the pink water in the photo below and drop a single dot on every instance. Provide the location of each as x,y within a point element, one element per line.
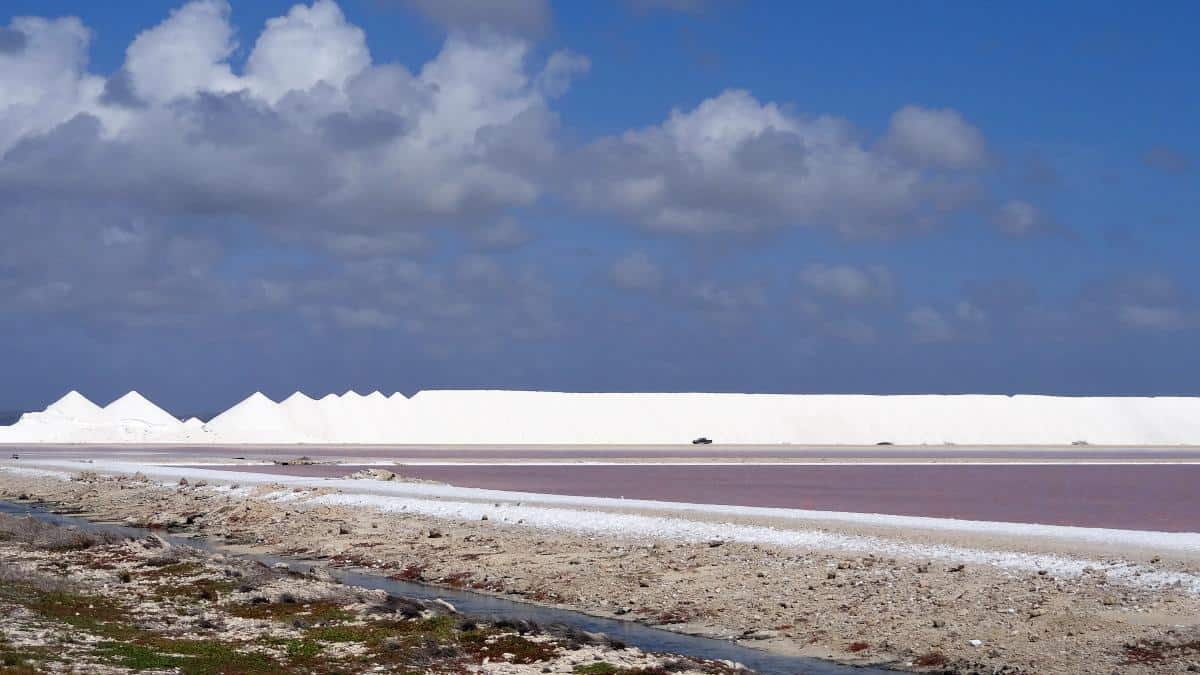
<point>1140,497</point>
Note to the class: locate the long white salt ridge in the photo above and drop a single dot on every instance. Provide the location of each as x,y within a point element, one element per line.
<point>469,417</point>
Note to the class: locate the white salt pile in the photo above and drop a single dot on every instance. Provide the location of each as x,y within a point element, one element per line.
<point>136,409</point>
<point>524,417</point>
<point>73,405</point>
<point>73,419</point>
<point>257,419</point>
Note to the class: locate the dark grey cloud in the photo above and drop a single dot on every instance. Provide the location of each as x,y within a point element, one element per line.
<point>236,119</point>
<point>12,40</point>
<point>119,91</point>
<point>370,129</point>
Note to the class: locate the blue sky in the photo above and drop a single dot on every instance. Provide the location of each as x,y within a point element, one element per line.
<point>203,199</point>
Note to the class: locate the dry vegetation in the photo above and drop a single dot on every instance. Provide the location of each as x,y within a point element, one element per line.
<point>83,602</point>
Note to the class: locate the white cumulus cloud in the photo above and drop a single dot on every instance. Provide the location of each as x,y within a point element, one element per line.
<point>938,138</point>
<point>312,44</point>
<point>847,283</point>
<point>735,164</point>
<point>185,54</point>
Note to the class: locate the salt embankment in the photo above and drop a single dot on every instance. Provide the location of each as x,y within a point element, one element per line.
<point>530,417</point>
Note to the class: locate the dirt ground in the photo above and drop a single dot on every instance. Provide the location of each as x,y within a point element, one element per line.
<point>902,613</point>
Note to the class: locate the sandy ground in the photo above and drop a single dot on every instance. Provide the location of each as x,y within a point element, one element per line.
<point>906,612</point>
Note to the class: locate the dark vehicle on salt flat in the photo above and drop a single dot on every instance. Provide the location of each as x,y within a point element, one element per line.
<point>702,441</point>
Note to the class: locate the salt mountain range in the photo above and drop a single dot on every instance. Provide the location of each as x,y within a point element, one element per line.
<point>529,417</point>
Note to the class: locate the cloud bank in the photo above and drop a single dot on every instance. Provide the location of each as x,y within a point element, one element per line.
<point>288,183</point>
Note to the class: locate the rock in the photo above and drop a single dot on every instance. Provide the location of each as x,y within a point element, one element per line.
<point>154,541</point>
<point>435,534</point>
<point>167,520</point>
<point>484,517</point>
<point>321,574</point>
<point>183,482</point>
<point>1109,600</point>
<point>975,643</point>
<point>938,623</point>
<point>299,461</point>
<point>374,474</point>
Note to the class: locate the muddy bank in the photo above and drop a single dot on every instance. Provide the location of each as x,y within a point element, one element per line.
<point>903,613</point>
